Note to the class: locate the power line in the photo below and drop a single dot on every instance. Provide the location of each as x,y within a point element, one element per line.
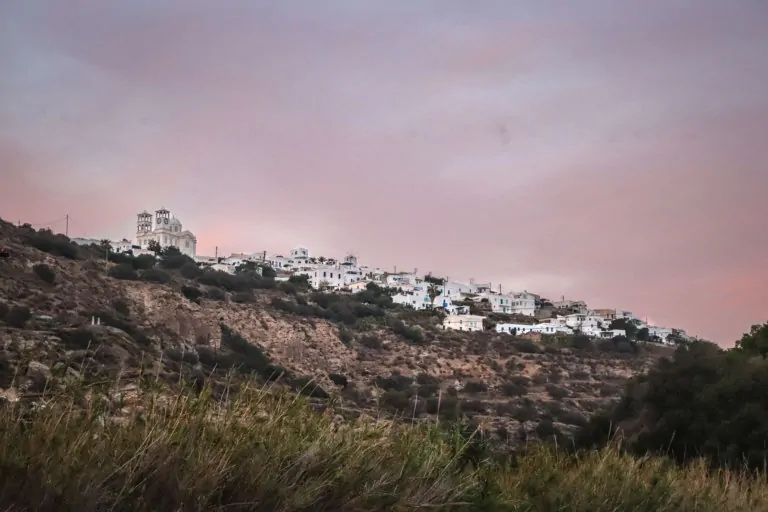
<point>48,223</point>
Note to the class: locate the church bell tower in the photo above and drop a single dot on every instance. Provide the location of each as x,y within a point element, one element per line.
<point>143,223</point>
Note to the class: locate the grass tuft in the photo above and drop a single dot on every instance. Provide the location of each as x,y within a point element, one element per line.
<point>146,449</point>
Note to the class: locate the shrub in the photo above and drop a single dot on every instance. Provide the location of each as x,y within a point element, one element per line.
<point>190,270</point>
<point>244,297</point>
<point>308,387</point>
<point>510,388</point>
<point>123,271</point>
<point>370,341</point>
<point>44,272</point>
<point>75,339</point>
<point>395,382</point>
<point>413,334</point>
<point>155,275</point>
<point>192,293</point>
<point>18,316</point>
<point>475,386</point>
<point>557,393</point>
<point>339,380</point>
<point>121,306</point>
<point>345,336</point>
<point>526,346</point>
<point>215,294</point>
<point>144,262</point>
<point>249,357</point>
<point>173,259</point>
<point>581,342</point>
<point>225,281</point>
<point>3,310</point>
<point>56,244</point>
<point>396,400</point>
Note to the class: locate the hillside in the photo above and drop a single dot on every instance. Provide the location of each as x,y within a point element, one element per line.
<point>171,321</point>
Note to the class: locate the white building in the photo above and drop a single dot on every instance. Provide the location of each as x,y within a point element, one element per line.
<point>500,303</point>
<point>523,303</point>
<point>547,328</point>
<point>166,230</point>
<point>401,280</point>
<point>661,333</point>
<point>612,333</point>
<point>417,299</point>
<point>464,322</point>
<point>577,305</point>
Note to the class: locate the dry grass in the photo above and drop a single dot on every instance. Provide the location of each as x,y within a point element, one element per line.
<point>268,451</point>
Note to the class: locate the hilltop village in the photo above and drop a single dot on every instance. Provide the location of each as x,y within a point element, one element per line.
<point>467,306</point>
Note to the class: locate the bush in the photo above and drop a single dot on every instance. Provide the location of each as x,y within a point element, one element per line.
<point>171,258</point>
<point>511,388</point>
<point>370,341</point>
<point>248,356</point>
<point>190,270</point>
<point>225,281</point>
<point>244,297</point>
<point>345,336</point>
<point>215,294</point>
<point>44,272</point>
<point>398,401</point>
<point>704,402</point>
<point>155,275</point>
<point>121,306</point>
<point>144,262</point>
<point>475,386</point>
<point>339,380</point>
<point>308,387</point>
<point>413,334</point>
<point>123,271</point>
<point>3,310</point>
<point>526,346</point>
<point>76,339</point>
<point>56,244</point>
<point>192,293</point>
<point>18,316</point>
<point>557,393</point>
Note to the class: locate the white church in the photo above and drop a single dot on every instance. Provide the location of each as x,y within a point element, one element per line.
<point>166,230</point>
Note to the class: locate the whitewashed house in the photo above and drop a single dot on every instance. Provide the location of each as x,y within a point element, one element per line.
<point>456,290</point>
<point>416,299</point>
<point>612,333</point>
<point>661,333</point>
<point>578,305</point>
<point>544,328</point>
<point>523,303</point>
<point>463,322</point>
<point>357,286</point>
<point>401,280</point>
<point>500,303</point>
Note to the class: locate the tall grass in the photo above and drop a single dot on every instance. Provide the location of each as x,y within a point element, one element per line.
<point>86,451</point>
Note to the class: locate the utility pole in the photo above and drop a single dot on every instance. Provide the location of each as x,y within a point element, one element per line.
<point>66,228</point>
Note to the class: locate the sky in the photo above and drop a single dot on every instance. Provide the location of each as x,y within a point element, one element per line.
<point>614,152</point>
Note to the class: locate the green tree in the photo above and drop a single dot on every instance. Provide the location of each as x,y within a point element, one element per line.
<point>154,246</point>
<point>755,341</point>
<point>433,291</point>
<point>643,334</point>
<point>626,325</point>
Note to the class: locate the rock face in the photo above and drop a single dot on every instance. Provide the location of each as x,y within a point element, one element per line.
<point>513,385</point>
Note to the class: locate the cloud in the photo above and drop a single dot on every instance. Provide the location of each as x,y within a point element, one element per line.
<point>605,151</point>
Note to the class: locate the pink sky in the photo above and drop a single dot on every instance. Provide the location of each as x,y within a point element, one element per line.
<point>609,151</point>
